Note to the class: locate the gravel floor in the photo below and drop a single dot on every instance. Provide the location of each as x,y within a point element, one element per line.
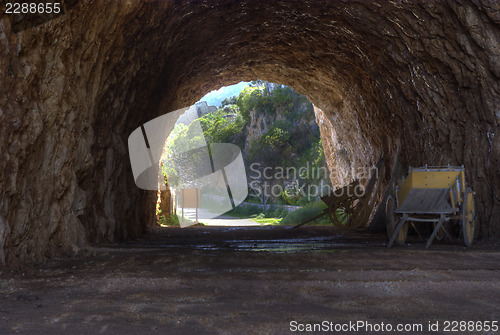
<point>252,281</point>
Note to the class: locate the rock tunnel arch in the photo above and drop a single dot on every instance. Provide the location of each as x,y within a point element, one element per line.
<point>415,79</point>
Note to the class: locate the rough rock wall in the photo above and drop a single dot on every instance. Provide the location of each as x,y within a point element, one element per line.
<point>419,76</point>
<point>68,91</point>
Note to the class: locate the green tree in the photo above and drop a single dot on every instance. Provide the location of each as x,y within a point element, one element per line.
<point>229,101</point>
<point>248,99</point>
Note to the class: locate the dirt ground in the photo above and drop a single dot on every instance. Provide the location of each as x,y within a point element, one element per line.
<point>259,280</point>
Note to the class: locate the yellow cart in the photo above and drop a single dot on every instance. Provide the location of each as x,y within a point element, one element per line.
<point>435,195</point>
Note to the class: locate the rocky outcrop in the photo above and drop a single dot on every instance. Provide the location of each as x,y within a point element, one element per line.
<point>260,122</point>
<point>420,79</point>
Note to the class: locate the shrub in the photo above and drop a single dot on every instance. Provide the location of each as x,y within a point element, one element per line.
<point>173,220</point>
<point>282,96</point>
<point>229,101</point>
<point>304,213</point>
<point>245,211</point>
<point>248,100</point>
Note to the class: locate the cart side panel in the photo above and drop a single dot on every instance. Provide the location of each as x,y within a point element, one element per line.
<point>405,189</point>
<point>426,179</point>
<point>434,179</point>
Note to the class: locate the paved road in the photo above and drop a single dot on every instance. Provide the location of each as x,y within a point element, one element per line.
<point>230,221</point>
<point>219,221</point>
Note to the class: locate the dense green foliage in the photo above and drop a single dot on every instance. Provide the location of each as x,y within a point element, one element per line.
<point>229,101</point>
<point>191,164</point>
<point>259,99</point>
<point>309,211</point>
<point>250,98</point>
<point>226,125</point>
<point>291,137</point>
<point>257,212</point>
<point>165,221</point>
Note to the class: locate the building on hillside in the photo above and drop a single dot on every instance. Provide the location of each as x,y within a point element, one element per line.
<point>203,108</point>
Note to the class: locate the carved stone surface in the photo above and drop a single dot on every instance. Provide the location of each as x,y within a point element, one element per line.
<point>421,79</point>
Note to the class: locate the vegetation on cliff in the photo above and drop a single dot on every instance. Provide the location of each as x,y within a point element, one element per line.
<point>276,130</point>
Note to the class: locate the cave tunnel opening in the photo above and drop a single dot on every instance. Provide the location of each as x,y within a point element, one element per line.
<point>414,84</point>
<point>394,84</point>
<point>282,160</point>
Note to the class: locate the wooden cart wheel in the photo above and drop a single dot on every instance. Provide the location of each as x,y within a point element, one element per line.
<point>389,216</point>
<point>468,218</point>
<point>392,219</point>
<point>348,213</point>
<point>338,213</point>
<point>361,214</point>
